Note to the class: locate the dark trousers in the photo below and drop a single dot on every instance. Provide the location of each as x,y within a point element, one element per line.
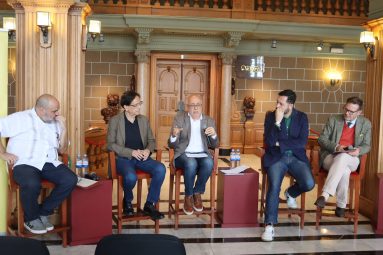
<point>29,180</point>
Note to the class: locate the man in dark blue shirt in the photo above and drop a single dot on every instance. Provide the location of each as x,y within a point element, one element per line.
<point>285,138</point>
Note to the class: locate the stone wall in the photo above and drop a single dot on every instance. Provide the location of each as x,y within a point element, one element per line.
<point>105,72</point>
<point>305,76</point>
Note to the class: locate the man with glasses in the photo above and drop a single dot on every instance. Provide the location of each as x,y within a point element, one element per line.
<point>343,140</point>
<point>191,135</point>
<point>131,138</point>
<point>285,138</point>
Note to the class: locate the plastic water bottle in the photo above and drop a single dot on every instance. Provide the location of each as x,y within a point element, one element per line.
<point>78,165</point>
<point>238,158</point>
<point>232,158</point>
<point>85,164</point>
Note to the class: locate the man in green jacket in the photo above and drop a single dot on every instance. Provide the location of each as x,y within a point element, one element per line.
<point>343,140</point>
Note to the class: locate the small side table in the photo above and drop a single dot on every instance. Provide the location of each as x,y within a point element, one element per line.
<point>237,199</point>
<point>90,213</point>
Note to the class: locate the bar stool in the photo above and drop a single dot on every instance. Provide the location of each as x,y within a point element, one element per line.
<point>118,216</point>
<point>352,212</point>
<point>61,229</point>
<point>175,184</point>
<point>289,211</point>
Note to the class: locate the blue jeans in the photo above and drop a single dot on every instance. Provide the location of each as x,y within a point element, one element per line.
<point>192,167</point>
<point>127,169</point>
<point>304,181</point>
<point>29,180</point>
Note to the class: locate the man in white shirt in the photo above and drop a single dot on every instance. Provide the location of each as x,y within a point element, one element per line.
<point>35,138</point>
<point>191,136</point>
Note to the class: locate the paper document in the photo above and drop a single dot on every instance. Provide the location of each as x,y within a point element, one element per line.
<point>84,182</point>
<point>236,170</point>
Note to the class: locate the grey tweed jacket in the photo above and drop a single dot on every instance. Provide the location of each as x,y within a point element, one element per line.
<point>332,132</point>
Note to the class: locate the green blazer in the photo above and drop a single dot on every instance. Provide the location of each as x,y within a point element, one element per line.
<point>330,136</point>
<point>116,135</point>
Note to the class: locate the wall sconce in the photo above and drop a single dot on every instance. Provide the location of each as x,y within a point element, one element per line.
<point>334,78</point>
<point>44,22</point>
<point>273,44</point>
<point>94,28</point>
<point>368,40</point>
<point>320,46</point>
<point>9,23</point>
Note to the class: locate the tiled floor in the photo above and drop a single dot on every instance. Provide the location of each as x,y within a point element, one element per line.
<point>335,235</point>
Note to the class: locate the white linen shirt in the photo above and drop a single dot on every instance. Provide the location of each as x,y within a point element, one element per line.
<point>33,141</point>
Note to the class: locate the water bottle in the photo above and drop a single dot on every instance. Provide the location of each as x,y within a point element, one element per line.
<point>232,158</point>
<point>85,164</point>
<point>238,158</point>
<point>78,165</point>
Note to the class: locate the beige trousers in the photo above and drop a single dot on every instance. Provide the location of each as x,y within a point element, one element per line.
<point>339,169</point>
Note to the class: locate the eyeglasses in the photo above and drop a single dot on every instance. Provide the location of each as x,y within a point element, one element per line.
<point>194,105</point>
<point>349,111</point>
<point>136,105</point>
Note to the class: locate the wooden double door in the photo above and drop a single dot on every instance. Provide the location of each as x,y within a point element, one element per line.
<point>175,81</point>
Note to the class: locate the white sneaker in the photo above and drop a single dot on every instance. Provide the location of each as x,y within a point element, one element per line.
<point>268,234</point>
<point>291,202</point>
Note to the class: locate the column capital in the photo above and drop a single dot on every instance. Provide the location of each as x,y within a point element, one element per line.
<point>80,8</point>
<point>142,56</point>
<point>227,57</point>
<point>143,34</point>
<point>232,39</point>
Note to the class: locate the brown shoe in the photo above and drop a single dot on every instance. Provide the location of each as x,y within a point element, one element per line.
<point>198,206</point>
<point>188,205</point>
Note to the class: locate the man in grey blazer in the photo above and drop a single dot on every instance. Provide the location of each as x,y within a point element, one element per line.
<point>191,135</point>
<point>343,140</point>
<point>131,138</point>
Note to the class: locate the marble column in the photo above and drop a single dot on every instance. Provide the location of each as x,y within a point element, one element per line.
<point>143,79</point>
<point>56,67</point>
<point>225,114</point>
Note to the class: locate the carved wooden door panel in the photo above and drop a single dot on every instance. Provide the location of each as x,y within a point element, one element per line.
<point>176,80</point>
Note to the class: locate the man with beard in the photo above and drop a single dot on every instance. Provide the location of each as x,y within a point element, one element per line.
<point>35,137</point>
<point>343,140</point>
<point>285,138</point>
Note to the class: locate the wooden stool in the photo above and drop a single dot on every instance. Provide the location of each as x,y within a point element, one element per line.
<point>118,216</point>
<point>175,183</point>
<point>61,229</point>
<point>352,209</point>
<point>298,211</point>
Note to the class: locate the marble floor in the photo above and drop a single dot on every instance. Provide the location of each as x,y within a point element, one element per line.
<point>335,235</point>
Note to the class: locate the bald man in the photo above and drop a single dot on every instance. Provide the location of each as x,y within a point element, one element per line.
<point>35,138</point>
<point>191,135</point>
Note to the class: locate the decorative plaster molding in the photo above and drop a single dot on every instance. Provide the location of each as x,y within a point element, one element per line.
<point>44,3</point>
<point>232,39</point>
<point>142,56</point>
<point>143,35</point>
<point>227,57</point>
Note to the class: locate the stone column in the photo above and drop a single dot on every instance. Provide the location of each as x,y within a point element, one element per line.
<point>56,68</point>
<point>143,73</point>
<point>225,114</point>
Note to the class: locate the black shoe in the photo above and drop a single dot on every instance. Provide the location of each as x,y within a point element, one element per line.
<point>150,210</point>
<point>340,212</point>
<point>320,202</point>
<point>128,209</point>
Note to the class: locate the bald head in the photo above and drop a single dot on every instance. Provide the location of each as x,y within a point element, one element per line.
<point>47,107</point>
<point>195,106</point>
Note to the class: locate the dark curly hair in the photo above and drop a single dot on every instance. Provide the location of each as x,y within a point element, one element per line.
<point>128,97</point>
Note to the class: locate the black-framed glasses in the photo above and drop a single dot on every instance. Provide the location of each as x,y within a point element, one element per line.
<point>349,111</point>
<point>136,105</point>
<point>194,105</point>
